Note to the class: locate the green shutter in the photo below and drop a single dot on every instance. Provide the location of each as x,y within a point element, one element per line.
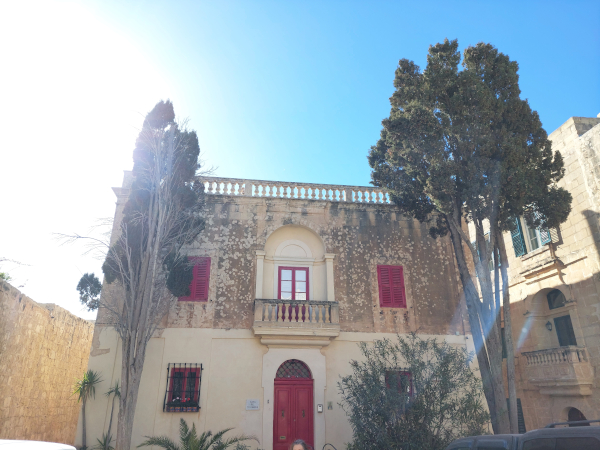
<point>545,236</point>
<point>518,239</point>
<point>520,417</point>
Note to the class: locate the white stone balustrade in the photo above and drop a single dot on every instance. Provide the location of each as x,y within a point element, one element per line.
<point>562,371</point>
<point>309,312</point>
<point>303,191</point>
<point>301,323</point>
<point>568,354</point>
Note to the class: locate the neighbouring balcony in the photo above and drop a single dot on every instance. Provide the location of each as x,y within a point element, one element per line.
<point>563,371</point>
<point>303,323</point>
<point>302,191</point>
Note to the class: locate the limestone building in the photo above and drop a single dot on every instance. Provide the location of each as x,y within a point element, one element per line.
<point>555,292</point>
<point>288,278</point>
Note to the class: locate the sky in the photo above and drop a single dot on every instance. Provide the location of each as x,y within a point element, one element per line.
<point>276,90</point>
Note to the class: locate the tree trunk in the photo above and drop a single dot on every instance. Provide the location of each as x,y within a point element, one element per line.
<point>83,440</point>
<point>510,351</point>
<point>131,373</point>
<point>472,297</point>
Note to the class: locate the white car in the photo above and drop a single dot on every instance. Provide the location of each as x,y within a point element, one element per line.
<point>6,444</point>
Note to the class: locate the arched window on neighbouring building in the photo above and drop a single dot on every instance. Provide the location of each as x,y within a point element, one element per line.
<point>556,299</point>
<point>576,415</point>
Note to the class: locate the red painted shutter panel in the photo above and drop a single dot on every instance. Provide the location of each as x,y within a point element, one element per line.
<point>398,295</point>
<point>385,286</point>
<point>200,280</point>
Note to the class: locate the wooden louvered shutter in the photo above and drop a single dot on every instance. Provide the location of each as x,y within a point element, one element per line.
<point>391,286</point>
<point>200,280</point>
<point>545,236</point>
<point>518,239</point>
<point>398,297</point>
<point>385,286</point>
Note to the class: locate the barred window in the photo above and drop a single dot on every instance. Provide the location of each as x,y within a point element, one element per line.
<point>183,387</point>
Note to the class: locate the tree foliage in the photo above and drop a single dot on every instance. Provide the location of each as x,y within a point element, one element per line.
<point>89,288</point>
<point>147,263</point>
<point>438,402</point>
<point>462,146</point>
<point>165,159</point>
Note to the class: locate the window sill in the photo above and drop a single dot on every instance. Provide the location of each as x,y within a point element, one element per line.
<point>536,252</point>
<point>182,409</point>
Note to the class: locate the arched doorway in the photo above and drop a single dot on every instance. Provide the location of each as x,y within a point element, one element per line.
<point>575,415</point>
<point>293,405</point>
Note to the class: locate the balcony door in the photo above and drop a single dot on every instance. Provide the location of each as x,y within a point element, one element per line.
<point>293,283</point>
<point>564,330</point>
<point>293,405</point>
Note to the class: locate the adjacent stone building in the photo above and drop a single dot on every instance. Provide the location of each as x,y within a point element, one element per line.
<point>288,279</point>
<point>555,292</point>
<point>43,350</point>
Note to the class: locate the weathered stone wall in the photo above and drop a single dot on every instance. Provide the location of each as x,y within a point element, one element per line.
<point>43,349</point>
<point>360,235</point>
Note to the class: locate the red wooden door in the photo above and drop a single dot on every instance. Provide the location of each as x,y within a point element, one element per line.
<point>293,415</point>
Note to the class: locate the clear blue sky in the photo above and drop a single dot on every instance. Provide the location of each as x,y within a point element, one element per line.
<point>279,90</point>
<point>296,90</point>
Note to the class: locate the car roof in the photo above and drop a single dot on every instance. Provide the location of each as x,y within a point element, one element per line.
<point>566,432</point>
<point>484,437</point>
<point>9,444</point>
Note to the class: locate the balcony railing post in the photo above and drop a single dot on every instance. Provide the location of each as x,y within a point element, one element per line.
<point>335,313</point>
<point>258,310</point>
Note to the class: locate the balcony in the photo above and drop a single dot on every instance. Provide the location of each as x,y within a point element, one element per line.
<point>563,371</point>
<point>298,323</point>
<point>299,191</point>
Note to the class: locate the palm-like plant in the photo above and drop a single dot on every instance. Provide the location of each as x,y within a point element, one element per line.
<point>104,443</point>
<point>189,439</point>
<point>84,389</point>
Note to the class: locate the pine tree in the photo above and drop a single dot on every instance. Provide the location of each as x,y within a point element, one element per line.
<point>146,260</point>
<point>461,146</point>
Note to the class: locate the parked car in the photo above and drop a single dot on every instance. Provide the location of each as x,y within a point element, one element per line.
<point>574,436</point>
<point>9,444</point>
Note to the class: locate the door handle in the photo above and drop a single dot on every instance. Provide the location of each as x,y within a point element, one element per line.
<point>282,413</point>
<point>302,413</point>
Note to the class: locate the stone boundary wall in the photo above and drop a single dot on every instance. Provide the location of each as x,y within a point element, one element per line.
<point>43,349</point>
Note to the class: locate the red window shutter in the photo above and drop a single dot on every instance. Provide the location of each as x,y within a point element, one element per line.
<point>391,286</point>
<point>200,280</point>
<point>385,286</point>
<point>398,296</point>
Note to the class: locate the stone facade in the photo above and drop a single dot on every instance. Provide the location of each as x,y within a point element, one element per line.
<point>244,331</point>
<point>43,349</point>
<point>552,379</point>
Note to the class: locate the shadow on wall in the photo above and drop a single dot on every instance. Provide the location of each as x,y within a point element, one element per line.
<point>556,332</point>
<point>593,220</point>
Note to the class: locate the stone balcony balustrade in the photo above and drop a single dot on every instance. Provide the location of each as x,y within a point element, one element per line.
<point>301,323</point>
<point>302,191</point>
<point>560,371</point>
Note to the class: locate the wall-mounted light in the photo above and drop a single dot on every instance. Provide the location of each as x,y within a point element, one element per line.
<point>548,326</point>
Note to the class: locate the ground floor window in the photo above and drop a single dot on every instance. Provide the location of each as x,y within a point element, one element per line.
<point>183,387</point>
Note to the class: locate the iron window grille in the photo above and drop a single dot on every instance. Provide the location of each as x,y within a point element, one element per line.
<point>402,379</point>
<point>183,387</point>
<point>293,368</point>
